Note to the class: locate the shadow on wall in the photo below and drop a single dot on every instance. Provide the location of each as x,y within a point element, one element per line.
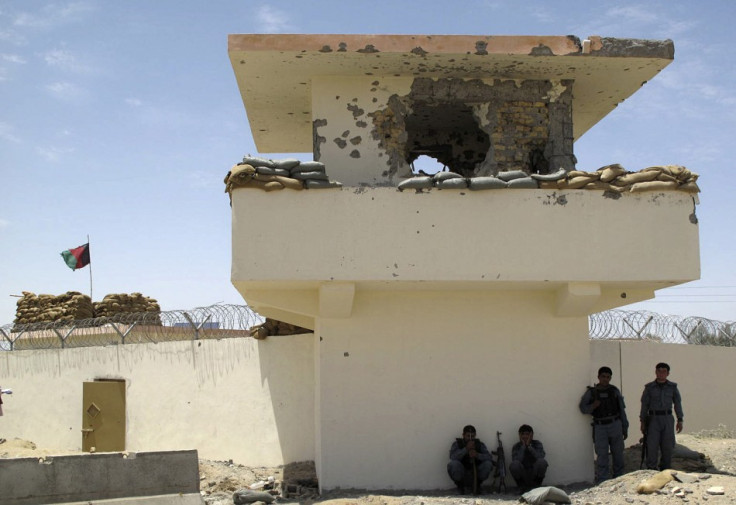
<point>292,393</point>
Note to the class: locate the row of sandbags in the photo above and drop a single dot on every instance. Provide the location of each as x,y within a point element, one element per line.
<point>608,178</point>
<point>272,175</point>
<point>70,306</point>
<point>122,303</point>
<point>74,306</point>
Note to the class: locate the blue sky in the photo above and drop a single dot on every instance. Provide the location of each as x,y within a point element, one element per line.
<point>119,120</point>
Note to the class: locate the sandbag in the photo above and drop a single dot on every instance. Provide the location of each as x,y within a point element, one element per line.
<point>579,173</point>
<point>424,182</point>
<point>319,184</point>
<point>290,183</point>
<point>610,172</point>
<point>461,183</point>
<point>552,184</point>
<point>476,183</point>
<point>511,175</point>
<point>255,161</point>
<point>560,174</point>
<point>309,166</point>
<point>523,183</point>
<point>273,171</point>
<point>443,176</point>
<point>601,185</point>
<point>238,176</point>
<point>540,495</point>
<point>303,176</point>
<point>664,176</point>
<point>641,187</point>
<point>689,187</point>
<point>286,164</point>
<point>578,182</point>
<point>635,177</point>
<point>655,482</point>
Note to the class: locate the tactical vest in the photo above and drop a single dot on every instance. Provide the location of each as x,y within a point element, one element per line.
<point>609,406</point>
<point>466,461</point>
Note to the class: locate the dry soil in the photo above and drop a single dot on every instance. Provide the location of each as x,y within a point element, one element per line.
<point>706,461</point>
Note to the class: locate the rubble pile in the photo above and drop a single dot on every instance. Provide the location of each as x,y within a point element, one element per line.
<point>75,306</point>
<point>273,327</point>
<point>614,178</point>
<point>272,175</point>
<point>226,482</point>
<point>70,306</point>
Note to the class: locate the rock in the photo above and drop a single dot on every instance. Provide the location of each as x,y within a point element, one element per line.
<point>716,490</point>
<point>242,496</point>
<point>686,478</point>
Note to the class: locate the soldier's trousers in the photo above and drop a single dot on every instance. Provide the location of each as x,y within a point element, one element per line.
<point>458,473</point>
<point>607,436</point>
<point>529,477</point>
<point>660,437</point>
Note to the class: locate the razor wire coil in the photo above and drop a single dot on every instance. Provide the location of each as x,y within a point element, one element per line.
<point>235,321</point>
<point>213,322</point>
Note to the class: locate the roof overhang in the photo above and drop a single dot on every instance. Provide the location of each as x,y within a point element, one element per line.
<point>274,72</point>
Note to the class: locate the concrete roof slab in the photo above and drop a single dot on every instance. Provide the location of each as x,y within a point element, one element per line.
<point>274,72</point>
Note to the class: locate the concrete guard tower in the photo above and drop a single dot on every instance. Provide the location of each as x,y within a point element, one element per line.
<point>435,308</point>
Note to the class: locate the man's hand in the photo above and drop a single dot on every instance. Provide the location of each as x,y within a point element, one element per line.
<point>626,434</point>
<point>595,404</point>
<point>470,446</point>
<point>642,427</point>
<point>678,426</point>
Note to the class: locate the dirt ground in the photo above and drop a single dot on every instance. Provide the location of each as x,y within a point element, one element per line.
<point>704,461</point>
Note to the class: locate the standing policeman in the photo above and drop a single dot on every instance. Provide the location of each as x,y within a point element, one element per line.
<point>610,425</point>
<point>656,417</point>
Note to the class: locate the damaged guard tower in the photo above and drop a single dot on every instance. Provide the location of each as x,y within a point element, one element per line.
<point>461,297</point>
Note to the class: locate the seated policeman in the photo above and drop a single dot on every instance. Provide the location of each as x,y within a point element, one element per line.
<point>469,457</point>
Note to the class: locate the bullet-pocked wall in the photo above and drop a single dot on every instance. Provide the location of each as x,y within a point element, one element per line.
<point>378,126</point>
<point>400,378</point>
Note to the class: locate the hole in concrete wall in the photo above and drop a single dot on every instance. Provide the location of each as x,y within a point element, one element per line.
<point>426,164</point>
<point>448,133</point>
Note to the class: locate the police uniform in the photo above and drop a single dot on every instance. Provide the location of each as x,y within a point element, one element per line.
<point>460,466</point>
<point>657,401</point>
<point>610,427</point>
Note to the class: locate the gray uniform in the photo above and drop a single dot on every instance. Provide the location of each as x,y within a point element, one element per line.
<point>528,464</point>
<point>610,427</point>
<point>460,466</point>
<point>656,409</point>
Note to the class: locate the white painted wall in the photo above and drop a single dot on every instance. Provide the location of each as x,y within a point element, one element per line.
<point>242,399</point>
<point>252,401</point>
<point>402,376</point>
<point>489,238</point>
<point>705,376</point>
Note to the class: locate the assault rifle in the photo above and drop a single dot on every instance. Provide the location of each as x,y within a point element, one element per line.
<point>500,471</point>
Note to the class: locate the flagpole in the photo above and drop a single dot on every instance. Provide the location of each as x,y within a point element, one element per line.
<point>90,270</point>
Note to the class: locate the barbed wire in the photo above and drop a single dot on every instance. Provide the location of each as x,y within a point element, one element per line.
<point>213,322</point>
<point>232,321</point>
<point>645,325</point>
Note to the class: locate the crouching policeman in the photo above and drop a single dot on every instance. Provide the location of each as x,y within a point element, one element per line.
<point>469,459</point>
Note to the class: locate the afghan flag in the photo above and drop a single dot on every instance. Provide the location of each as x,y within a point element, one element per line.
<point>77,257</point>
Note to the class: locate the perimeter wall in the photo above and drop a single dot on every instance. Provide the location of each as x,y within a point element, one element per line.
<point>252,401</point>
